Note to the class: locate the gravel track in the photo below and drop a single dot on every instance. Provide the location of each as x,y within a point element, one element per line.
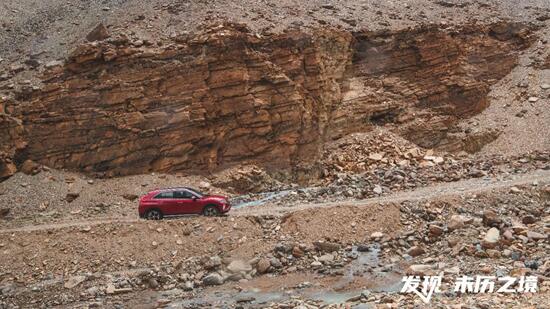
<point>463,187</point>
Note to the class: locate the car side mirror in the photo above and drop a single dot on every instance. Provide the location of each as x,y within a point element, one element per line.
<point>195,198</point>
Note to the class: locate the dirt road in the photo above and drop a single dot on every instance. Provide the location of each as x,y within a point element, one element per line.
<point>462,187</point>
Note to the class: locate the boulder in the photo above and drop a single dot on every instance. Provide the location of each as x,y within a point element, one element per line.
<point>239,266</point>
<point>99,33</point>
<point>212,279</point>
<point>263,266</point>
<point>29,167</point>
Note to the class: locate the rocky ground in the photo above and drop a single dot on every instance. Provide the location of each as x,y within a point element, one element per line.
<point>425,124</point>
<point>353,254</point>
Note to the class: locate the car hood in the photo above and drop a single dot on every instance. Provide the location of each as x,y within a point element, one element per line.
<point>218,198</point>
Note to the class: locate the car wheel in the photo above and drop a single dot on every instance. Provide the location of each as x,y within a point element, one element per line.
<point>153,214</point>
<point>210,211</point>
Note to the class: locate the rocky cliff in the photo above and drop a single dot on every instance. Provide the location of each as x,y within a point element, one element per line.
<point>230,96</point>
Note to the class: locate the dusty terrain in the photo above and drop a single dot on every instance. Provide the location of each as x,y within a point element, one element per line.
<point>358,141</point>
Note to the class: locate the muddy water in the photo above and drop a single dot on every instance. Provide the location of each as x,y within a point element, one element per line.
<point>363,275</point>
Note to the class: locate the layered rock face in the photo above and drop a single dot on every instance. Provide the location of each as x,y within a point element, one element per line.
<point>426,79</point>
<point>229,96</point>
<point>10,142</point>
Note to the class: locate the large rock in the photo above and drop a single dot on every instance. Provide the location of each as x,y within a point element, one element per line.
<point>239,266</point>
<point>99,33</point>
<point>29,167</point>
<point>456,222</point>
<point>491,239</point>
<point>263,266</point>
<point>491,218</point>
<point>213,279</point>
<point>326,258</point>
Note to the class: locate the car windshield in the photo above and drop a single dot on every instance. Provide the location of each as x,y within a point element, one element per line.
<point>199,194</point>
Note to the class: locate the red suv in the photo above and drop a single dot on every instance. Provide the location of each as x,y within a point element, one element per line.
<point>180,201</point>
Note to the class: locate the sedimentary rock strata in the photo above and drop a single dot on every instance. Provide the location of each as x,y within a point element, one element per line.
<point>229,96</point>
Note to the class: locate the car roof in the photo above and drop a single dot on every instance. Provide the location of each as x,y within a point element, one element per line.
<point>172,189</point>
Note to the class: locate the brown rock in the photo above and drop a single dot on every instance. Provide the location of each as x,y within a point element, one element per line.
<point>452,242</point>
<point>263,266</point>
<point>130,197</point>
<point>297,252</point>
<point>493,253</point>
<point>4,212</point>
<point>490,218</point>
<point>326,246</point>
<point>99,33</point>
<point>30,168</point>
<point>7,169</point>
<point>529,219</point>
<point>436,230</point>
<point>416,251</point>
<point>456,222</point>
<point>248,99</point>
<point>71,196</point>
<point>187,230</point>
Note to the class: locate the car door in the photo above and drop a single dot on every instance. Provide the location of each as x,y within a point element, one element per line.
<point>187,203</point>
<point>166,203</point>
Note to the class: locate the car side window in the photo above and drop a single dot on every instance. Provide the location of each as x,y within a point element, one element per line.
<point>164,195</point>
<point>183,195</point>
